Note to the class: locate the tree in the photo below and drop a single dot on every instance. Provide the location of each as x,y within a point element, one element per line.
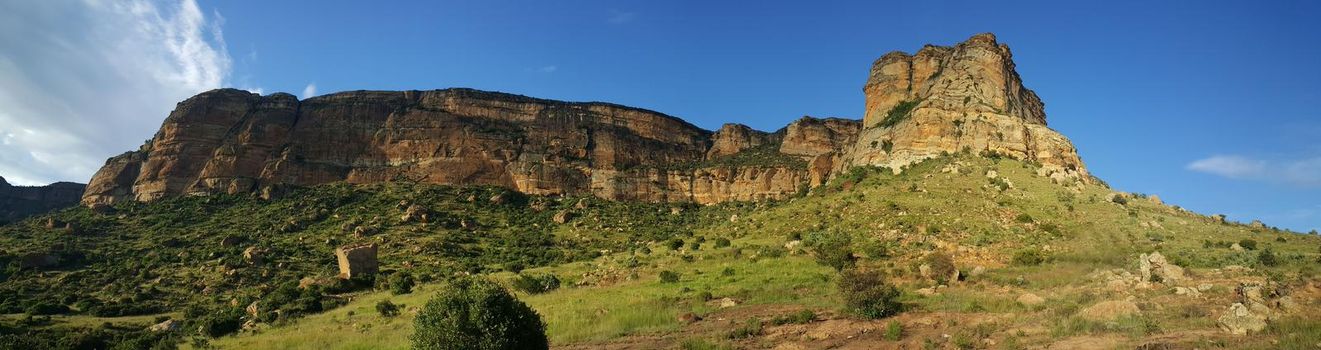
<point>474,313</point>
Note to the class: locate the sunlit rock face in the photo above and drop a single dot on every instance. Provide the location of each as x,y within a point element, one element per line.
<point>967,97</point>
<point>940,100</point>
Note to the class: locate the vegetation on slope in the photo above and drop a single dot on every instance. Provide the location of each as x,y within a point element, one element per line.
<point>718,276</point>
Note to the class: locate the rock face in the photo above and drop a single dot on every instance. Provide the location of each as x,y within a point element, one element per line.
<point>232,141</point>
<point>356,260</point>
<point>951,99</point>
<point>18,202</point>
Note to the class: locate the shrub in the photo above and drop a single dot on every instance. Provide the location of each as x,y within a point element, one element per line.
<point>668,276</point>
<point>867,294</point>
<point>1248,244</point>
<point>536,284</point>
<point>893,331</point>
<point>1024,218</point>
<point>47,308</point>
<point>831,249</point>
<point>695,245</point>
<point>473,313</point>
<point>1267,258</point>
<point>801,317</point>
<point>401,283</point>
<point>1029,257</point>
<point>898,113</point>
<point>942,266</point>
<point>220,323</point>
<point>387,308</point>
<point>675,243</point>
<point>728,271</point>
<point>722,242</point>
<point>749,329</point>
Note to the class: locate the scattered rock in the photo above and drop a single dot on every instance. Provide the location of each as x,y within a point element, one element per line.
<point>254,255</point>
<point>416,213</point>
<point>499,199</point>
<point>356,260</point>
<point>253,309</point>
<point>676,210</point>
<point>926,292</point>
<point>1155,199</point>
<point>563,217</point>
<point>991,174</point>
<point>1205,287</point>
<point>689,318</point>
<point>1192,292</point>
<point>1257,224</point>
<point>733,218</point>
<point>1109,310</point>
<point>1219,218</point>
<point>1239,320</point>
<point>726,303</point>
<point>1155,268</point>
<point>231,241</point>
<point>167,326</point>
<point>1029,299</point>
<point>791,245</point>
<point>364,231</point>
<point>1236,247</point>
<point>977,271</point>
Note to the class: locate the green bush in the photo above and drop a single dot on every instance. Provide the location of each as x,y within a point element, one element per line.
<point>1029,257</point>
<point>473,313</point>
<point>668,276</point>
<point>750,328</point>
<point>867,294</point>
<point>1248,244</point>
<point>387,308</point>
<point>401,283</point>
<point>536,283</point>
<point>801,317</point>
<point>722,242</point>
<point>893,331</point>
<point>675,243</point>
<point>831,249</point>
<point>219,323</point>
<point>898,113</point>
<point>1267,258</point>
<point>695,245</point>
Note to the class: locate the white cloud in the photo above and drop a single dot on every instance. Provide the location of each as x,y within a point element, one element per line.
<point>309,90</point>
<point>1300,172</point>
<point>618,17</point>
<point>549,69</point>
<point>81,81</point>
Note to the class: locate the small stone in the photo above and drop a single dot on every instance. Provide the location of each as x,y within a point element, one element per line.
<point>689,318</point>
<point>167,326</point>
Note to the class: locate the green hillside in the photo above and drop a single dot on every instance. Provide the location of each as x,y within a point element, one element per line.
<point>757,275</point>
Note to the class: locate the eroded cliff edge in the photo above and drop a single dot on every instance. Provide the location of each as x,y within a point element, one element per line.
<point>941,100</point>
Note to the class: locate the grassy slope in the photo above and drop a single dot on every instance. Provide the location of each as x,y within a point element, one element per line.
<point>920,211</point>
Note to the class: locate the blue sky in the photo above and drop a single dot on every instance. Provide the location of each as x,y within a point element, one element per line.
<point>1209,104</point>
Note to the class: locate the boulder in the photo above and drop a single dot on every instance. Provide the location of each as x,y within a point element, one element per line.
<point>689,318</point>
<point>166,326</point>
<point>416,213</point>
<point>1239,320</point>
<point>1109,310</point>
<point>231,241</point>
<point>1257,224</point>
<point>356,260</point>
<point>563,217</point>
<point>1155,268</point>
<point>254,255</point>
<point>1218,218</point>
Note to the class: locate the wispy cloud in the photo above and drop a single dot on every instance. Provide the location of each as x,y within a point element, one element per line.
<point>309,90</point>
<point>548,69</point>
<point>620,17</point>
<point>1304,172</point>
<point>83,80</point>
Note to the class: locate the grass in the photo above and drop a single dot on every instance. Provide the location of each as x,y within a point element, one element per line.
<point>612,254</point>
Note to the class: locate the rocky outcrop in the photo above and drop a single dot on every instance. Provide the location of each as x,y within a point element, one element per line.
<point>950,99</point>
<point>18,202</point>
<point>943,99</point>
<point>356,260</point>
<point>734,138</point>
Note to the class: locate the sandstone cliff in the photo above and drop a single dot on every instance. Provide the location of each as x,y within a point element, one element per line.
<point>962,98</point>
<point>17,202</point>
<point>232,141</point>
<point>943,99</point>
